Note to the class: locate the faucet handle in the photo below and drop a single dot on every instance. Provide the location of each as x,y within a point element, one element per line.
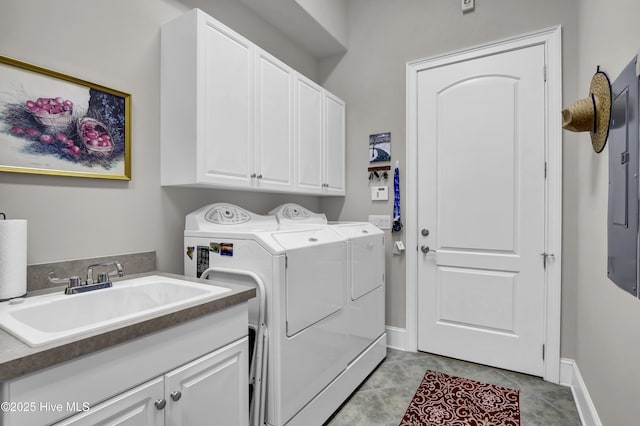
<point>74,281</point>
<point>53,279</point>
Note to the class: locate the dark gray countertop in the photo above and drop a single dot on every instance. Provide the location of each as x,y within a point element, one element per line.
<point>18,358</point>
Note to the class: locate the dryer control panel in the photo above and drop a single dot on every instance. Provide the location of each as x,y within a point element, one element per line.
<point>296,214</point>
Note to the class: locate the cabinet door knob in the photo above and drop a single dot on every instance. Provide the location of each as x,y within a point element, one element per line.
<point>259,176</point>
<point>160,403</point>
<point>253,175</point>
<point>176,395</point>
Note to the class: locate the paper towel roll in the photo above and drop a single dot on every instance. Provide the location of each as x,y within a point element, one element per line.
<point>13,258</point>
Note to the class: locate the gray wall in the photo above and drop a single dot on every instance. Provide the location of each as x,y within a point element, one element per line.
<point>608,336</point>
<point>383,37</point>
<point>117,44</point>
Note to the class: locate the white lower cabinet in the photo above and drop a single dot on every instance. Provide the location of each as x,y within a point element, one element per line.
<point>193,373</point>
<point>211,390</point>
<point>135,407</point>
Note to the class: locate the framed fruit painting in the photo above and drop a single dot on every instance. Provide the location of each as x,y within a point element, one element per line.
<point>54,124</point>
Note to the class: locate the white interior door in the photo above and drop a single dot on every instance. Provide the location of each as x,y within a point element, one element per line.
<point>481,209</point>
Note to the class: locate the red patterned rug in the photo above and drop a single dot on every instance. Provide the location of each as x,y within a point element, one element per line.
<point>453,401</point>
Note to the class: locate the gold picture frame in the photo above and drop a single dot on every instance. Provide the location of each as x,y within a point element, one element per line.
<point>54,124</point>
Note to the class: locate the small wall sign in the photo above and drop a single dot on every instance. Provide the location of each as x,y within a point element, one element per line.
<point>380,147</point>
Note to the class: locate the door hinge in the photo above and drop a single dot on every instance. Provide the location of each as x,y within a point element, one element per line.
<point>545,169</point>
<point>545,257</point>
<point>544,72</point>
<point>543,352</point>
<point>286,262</point>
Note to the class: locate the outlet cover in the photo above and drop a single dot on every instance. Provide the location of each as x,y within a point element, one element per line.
<point>382,221</point>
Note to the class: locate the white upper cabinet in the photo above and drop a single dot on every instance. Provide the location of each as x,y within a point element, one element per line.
<point>334,145</point>
<point>309,136</point>
<point>207,107</point>
<point>226,86</point>
<point>320,137</point>
<point>233,116</point>
<point>274,123</point>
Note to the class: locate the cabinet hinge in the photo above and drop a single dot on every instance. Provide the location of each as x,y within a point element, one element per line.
<point>286,262</point>
<point>545,169</point>
<point>544,72</point>
<point>383,277</point>
<point>543,352</point>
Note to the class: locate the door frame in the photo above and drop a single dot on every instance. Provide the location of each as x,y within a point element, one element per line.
<point>551,39</point>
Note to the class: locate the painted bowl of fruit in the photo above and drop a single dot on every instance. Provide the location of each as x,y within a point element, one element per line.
<point>95,136</point>
<point>52,112</point>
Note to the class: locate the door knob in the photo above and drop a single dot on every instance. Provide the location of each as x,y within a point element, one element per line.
<point>424,232</point>
<point>160,403</point>
<point>426,249</point>
<point>176,395</point>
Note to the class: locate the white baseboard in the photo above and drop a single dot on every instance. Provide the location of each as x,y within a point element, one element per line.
<point>570,376</point>
<point>396,338</point>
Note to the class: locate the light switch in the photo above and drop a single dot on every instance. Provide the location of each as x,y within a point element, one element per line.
<point>379,193</point>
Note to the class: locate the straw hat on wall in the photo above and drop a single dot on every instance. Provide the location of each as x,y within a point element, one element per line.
<point>592,113</point>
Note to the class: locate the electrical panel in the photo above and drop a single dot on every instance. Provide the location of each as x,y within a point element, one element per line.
<point>622,227</point>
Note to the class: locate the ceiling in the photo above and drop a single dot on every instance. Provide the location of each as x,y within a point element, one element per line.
<point>295,22</point>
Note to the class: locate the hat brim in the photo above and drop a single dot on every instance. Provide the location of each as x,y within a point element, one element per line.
<point>601,90</point>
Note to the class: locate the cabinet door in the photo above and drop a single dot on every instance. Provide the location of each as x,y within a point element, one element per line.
<point>213,390</point>
<point>133,408</point>
<point>274,124</point>
<point>225,112</point>
<point>334,155</point>
<point>309,136</point>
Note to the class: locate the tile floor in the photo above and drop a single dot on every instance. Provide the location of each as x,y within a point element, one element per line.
<point>383,398</point>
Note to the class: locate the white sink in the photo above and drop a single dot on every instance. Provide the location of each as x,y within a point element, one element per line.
<point>50,318</point>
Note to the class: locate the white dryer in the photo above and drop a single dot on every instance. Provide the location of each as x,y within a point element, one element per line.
<point>366,283</point>
<point>304,273</point>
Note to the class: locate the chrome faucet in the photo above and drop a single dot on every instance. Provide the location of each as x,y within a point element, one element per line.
<point>104,277</point>
<point>76,285</point>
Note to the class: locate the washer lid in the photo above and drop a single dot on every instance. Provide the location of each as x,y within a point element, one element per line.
<point>307,238</point>
<point>294,214</point>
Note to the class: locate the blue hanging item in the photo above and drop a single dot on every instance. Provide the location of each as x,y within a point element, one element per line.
<point>397,223</point>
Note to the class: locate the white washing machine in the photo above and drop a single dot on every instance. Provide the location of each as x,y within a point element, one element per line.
<point>366,269</point>
<point>304,273</point>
